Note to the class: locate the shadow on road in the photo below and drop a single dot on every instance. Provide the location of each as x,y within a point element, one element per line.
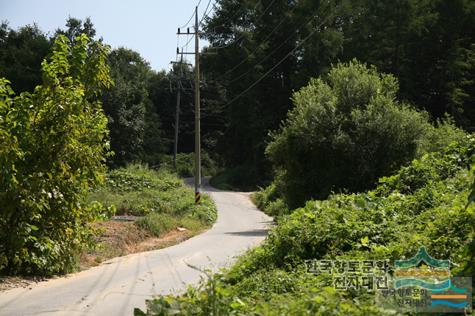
<point>250,233</point>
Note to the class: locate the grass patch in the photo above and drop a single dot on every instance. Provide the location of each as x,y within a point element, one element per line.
<point>163,204</point>
<point>161,200</point>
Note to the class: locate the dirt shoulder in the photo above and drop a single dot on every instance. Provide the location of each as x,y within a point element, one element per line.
<point>115,239</point>
<point>119,238</point>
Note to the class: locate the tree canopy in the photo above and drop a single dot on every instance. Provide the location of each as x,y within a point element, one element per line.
<point>267,49</point>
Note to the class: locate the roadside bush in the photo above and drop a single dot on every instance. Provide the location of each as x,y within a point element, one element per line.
<point>270,200</point>
<point>275,292</point>
<point>53,144</point>
<point>384,223</point>
<point>407,210</point>
<point>345,132</point>
<point>432,167</point>
<point>440,135</point>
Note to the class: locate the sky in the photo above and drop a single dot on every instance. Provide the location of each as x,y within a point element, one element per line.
<point>146,26</point>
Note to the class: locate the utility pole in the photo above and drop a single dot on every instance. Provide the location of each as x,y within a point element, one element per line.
<point>197,108</point>
<point>197,113</point>
<point>177,122</point>
<point>177,111</point>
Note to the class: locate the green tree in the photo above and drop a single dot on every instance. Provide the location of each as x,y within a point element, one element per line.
<point>163,93</point>
<point>427,44</point>
<point>76,27</point>
<point>345,132</point>
<point>53,144</point>
<point>276,44</point>
<point>23,50</point>
<point>21,53</point>
<point>128,106</point>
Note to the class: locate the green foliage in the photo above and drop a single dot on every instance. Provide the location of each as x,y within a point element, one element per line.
<point>52,150</point>
<point>240,178</point>
<point>162,200</point>
<point>185,164</point>
<point>385,223</point>
<point>275,292</point>
<point>133,123</point>
<point>427,44</point>
<point>436,166</point>
<point>76,27</point>
<point>442,134</point>
<point>471,196</point>
<point>412,37</point>
<point>21,54</point>
<point>422,204</point>
<point>344,133</point>
<point>270,200</point>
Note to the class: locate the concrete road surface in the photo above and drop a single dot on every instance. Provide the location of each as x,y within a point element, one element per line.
<point>118,285</point>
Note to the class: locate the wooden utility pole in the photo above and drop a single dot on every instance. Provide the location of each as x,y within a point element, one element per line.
<point>177,122</point>
<point>177,111</point>
<point>197,113</point>
<point>197,108</point>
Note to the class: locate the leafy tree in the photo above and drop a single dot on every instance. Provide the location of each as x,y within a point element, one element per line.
<point>427,44</point>
<point>23,50</point>
<point>238,29</point>
<point>128,107</point>
<point>162,91</point>
<point>21,53</point>
<point>345,132</point>
<point>76,27</point>
<point>53,144</point>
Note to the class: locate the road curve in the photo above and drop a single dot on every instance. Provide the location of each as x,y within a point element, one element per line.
<point>120,284</point>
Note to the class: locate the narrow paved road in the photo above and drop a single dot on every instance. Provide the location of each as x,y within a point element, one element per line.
<point>120,284</point>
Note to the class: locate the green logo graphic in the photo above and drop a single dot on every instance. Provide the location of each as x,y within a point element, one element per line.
<point>443,293</point>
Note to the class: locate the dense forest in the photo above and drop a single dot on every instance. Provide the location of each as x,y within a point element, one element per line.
<point>263,51</point>
<point>268,49</point>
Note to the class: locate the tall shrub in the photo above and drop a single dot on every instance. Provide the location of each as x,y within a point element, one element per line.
<point>345,131</point>
<point>52,148</point>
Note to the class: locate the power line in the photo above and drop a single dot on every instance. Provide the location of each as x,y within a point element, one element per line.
<point>271,53</point>
<point>189,40</point>
<point>191,17</point>
<point>205,12</point>
<point>189,20</point>
<point>276,65</point>
<point>257,48</point>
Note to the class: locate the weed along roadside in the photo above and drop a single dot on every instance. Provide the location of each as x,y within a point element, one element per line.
<point>140,210</point>
<point>144,210</point>
<point>119,285</point>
